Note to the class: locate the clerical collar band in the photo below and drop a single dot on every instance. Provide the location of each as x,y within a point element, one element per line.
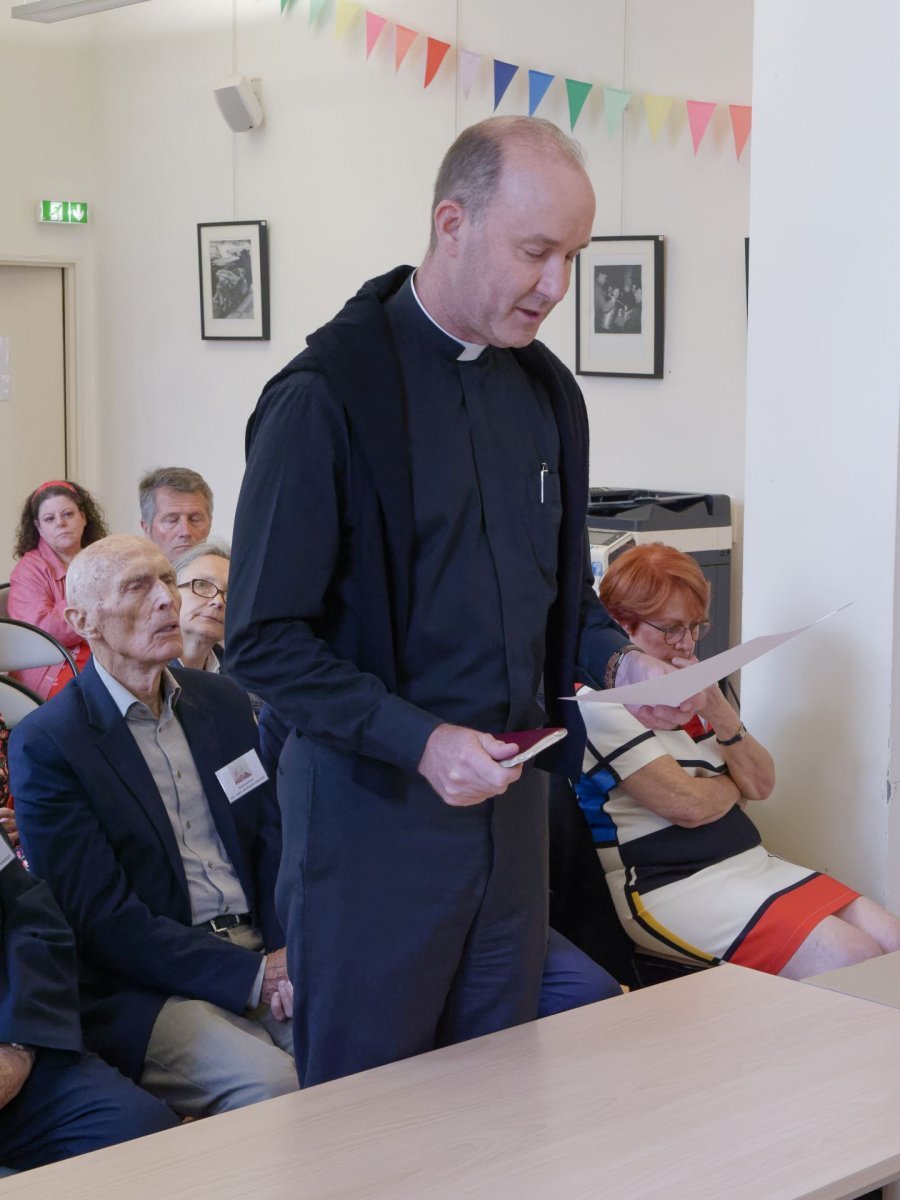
<point>470,350</point>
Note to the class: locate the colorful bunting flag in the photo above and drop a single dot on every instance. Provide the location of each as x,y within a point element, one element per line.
<point>434,58</point>
<point>740,125</point>
<point>468,70</point>
<point>615,101</point>
<point>538,82</point>
<point>503,74</point>
<point>657,109</point>
<point>405,38</point>
<point>577,92</point>
<point>345,12</point>
<point>374,26</point>
<point>699,113</point>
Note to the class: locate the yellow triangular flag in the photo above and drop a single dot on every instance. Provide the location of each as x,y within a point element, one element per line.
<point>344,14</point>
<point>657,109</point>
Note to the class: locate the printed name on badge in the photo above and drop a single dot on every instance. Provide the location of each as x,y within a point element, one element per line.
<point>241,776</point>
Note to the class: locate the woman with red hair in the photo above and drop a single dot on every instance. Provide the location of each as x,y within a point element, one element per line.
<point>56,521</point>
<point>685,864</point>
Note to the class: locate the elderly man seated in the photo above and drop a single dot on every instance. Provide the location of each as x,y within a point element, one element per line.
<point>55,1100</point>
<point>141,799</point>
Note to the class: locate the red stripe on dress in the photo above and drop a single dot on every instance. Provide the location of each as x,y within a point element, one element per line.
<point>784,925</point>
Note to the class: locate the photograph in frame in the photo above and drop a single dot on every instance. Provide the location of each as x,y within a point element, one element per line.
<point>620,311</point>
<point>234,280</point>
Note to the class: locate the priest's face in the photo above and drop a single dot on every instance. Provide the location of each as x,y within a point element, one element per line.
<point>513,266</point>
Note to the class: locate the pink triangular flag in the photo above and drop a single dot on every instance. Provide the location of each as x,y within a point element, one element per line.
<point>405,38</point>
<point>468,69</point>
<point>374,26</point>
<point>740,125</point>
<point>699,113</point>
<point>434,57</point>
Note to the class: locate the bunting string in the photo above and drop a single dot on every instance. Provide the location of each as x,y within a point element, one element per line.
<point>656,109</point>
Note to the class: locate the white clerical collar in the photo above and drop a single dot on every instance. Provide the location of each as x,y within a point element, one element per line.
<point>470,350</point>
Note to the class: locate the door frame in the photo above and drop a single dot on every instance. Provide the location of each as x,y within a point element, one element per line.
<point>69,269</point>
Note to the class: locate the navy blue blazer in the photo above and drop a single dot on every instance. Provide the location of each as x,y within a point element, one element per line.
<point>38,970</point>
<point>94,825</point>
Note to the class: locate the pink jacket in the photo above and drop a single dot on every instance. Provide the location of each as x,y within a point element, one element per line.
<point>37,595</point>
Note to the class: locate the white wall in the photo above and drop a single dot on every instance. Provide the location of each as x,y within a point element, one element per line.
<point>822,436</point>
<point>342,171</point>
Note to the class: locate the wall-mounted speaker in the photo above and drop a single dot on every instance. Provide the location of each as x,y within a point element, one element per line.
<point>239,103</point>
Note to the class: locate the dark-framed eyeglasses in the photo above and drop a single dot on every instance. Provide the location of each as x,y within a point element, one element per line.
<point>674,633</point>
<point>205,588</point>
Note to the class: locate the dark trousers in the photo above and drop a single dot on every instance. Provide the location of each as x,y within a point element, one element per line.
<point>68,1108</point>
<point>410,924</point>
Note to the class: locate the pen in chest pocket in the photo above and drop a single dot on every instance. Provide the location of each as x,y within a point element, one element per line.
<point>543,475</point>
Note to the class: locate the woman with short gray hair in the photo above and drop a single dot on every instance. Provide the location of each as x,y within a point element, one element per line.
<point>201,574</point>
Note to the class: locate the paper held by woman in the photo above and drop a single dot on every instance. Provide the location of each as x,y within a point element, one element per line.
<point>677,686</point>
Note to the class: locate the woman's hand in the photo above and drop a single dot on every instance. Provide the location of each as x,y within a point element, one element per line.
<point>749,763</point>
<point>8,820</point>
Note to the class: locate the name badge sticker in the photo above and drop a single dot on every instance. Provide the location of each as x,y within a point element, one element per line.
<point>241,776</point>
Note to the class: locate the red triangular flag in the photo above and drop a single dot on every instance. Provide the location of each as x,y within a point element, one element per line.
<point>434,58</point>
<point>740,125</point>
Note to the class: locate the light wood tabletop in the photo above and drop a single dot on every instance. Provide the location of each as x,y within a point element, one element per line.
<point>875,979</point>
<point>727,1083</point>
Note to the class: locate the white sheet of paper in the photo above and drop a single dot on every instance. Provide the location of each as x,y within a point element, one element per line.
<point>242,775</point>
<point>671,689</point>
<point>6,855</point>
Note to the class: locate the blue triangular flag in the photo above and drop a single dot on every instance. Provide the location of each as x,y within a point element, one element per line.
<point>503,73</point>
<point>538,82</point>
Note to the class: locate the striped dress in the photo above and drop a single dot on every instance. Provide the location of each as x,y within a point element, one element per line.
<point>708,894</point>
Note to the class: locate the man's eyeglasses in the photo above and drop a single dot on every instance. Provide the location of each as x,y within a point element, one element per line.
<point>205,588</point>
<point>674,633</point>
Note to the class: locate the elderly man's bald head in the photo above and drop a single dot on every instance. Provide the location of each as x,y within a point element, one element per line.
<point>91,572</point>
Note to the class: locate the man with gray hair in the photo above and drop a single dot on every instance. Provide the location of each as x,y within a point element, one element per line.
<point>409,580</point>
<point>176,509</point>
<point>141,800</point>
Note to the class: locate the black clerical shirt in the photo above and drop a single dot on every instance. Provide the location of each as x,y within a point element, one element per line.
<point>485,452</point>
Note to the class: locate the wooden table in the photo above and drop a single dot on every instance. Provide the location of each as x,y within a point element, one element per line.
<point>727,1083</point>
<point>875,979</point>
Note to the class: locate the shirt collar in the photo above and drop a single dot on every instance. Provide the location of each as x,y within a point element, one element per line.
<point>123,699</point>
<point>470,350</point>
<point>52,559</point>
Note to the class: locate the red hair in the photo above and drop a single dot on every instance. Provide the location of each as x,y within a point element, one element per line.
<point>645,580</point>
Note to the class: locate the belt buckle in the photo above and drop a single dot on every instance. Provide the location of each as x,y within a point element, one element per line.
<point>220,924</point>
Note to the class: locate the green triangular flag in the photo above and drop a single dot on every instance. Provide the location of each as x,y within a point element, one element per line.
<point>615,101</point>
<point>315,10</point>
<point>286,4</point>
<point>578,93</point>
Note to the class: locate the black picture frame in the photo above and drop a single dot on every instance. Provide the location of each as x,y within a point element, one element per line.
<point>233,257</point>
<point>620,307</point>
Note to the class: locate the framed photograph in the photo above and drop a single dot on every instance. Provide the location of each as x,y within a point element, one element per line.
<point>234,279</point>
<point>620,307</point>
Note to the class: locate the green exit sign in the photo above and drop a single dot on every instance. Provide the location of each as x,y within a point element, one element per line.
<point>63,212</point>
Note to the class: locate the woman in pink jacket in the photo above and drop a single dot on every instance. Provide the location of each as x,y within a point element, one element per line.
<point>58,518</point>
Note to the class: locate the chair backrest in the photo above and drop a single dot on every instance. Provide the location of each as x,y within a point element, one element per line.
<point>16,701</point>
<point>4,599</point>
<point>23,645</point>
